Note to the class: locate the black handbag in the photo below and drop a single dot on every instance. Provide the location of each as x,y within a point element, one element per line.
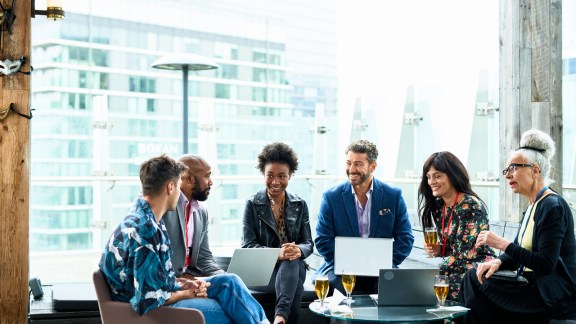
<point>510,277</point>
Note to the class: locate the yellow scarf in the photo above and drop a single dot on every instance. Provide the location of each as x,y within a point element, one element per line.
<point>527,229</point>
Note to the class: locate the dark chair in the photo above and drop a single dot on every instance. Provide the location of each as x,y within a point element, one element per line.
<point>113,312</point>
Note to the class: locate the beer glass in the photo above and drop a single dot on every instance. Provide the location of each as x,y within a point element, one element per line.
<point>321,287</point>
<point>441,288</point>
<point>348,281</point>
<point>431,238</point>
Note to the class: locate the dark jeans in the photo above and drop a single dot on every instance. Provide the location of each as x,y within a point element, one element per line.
<point>288,283</point>
<point>364,285</point>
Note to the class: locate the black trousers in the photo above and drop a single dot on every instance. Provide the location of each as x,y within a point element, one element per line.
<point>288,283</point>
<point>501,302</point>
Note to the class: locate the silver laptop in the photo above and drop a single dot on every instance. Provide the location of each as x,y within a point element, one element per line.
<point>405,287</point>
<point>362,256</point>
<point>254,265</point>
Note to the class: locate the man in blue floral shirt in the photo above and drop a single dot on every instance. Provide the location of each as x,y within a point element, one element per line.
<point>137,259</point>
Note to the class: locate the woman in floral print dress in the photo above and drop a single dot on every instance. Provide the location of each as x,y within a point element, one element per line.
<point>446,200</point>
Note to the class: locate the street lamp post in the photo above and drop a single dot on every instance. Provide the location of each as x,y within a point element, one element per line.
<point>185,62</point>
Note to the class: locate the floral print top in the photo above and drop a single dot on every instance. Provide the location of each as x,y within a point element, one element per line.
<point>469,218</point>
<point>137,260</point>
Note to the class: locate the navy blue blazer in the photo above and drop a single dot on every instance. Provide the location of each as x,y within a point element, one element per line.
<point>388,219</point>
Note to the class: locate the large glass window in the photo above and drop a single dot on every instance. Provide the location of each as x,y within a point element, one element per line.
<point>315,79</point>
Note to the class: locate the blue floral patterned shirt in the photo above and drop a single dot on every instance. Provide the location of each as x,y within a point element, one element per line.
<point>137,260</point>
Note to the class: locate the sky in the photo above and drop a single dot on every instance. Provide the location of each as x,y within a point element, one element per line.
<point>414,41</point>
<point>386,46</point>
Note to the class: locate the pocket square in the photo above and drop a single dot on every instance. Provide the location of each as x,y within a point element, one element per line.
<point>384,211</point>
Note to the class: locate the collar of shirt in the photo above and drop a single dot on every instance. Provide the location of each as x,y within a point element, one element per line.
<point>363,213</point>
<point>368,195</point>
<point>194,204</point>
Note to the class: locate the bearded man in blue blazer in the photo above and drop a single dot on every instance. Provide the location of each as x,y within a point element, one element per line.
<point>362,207</point>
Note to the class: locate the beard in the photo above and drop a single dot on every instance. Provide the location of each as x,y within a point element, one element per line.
<point>199,194</point>
<point>363,177</point>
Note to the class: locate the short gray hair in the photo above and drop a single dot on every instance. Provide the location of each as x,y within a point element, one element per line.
<point>364,146</point>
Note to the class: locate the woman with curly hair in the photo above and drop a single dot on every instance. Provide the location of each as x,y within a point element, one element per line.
<point>276,218</point>
<point>447,201</point>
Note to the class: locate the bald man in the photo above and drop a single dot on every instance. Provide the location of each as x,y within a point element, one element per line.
<point>187,226</point>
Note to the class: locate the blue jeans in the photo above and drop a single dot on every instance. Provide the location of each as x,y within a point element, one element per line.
<point>229,301</point>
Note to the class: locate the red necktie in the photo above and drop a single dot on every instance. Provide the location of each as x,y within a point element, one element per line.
<point>188,250</point>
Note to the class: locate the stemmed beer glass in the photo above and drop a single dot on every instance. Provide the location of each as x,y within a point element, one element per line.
<point>321,287</point>
<point>441,288</point>
<point>431,238</point>
<point>348,281</point>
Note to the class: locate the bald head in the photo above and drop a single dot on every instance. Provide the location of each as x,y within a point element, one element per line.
<point>194,163</point>
<point>196,182</point>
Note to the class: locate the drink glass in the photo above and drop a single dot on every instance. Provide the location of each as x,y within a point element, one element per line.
<point>321,287</point>
<point>441,288</point>
<point>348,281</point>
<point>431,238</point>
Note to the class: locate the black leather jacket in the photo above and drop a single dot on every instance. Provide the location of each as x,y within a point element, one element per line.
<point>260,227</point>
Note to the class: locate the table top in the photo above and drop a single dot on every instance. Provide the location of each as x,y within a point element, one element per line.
<point>364,308</point>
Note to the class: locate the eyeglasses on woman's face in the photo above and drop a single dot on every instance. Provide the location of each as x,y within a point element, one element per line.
<point>513,166</point>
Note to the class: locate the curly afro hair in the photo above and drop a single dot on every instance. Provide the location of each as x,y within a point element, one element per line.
<point>277,153</point>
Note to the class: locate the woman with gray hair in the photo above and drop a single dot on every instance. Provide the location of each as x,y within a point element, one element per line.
<point>544,251</point>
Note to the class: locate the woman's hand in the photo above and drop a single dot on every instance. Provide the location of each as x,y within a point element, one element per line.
<point>432,249</point>
<point>492,240</point>
<point>290,251</point>
<point>486,269</point>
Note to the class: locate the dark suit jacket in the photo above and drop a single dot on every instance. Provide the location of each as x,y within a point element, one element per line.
<point>388,219</point>
<point>202,262</point>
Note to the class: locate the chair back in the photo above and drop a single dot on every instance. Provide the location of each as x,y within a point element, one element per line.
<point>101,286</point>
<point>113,312</point>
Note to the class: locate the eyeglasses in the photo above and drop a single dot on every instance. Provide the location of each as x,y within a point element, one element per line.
<point>513,166</point>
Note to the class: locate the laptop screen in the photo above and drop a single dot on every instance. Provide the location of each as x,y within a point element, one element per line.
<point>254,265</point>
<point>362,256</point>
<point>406,287</point>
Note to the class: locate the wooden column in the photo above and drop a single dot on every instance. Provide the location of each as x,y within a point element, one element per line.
<point>530,84</point>
<point>15,170</point>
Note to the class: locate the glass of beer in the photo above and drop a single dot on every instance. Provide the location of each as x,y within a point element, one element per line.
<point>321,287</point>
<point>431,238</point>
<point>348,281</point>
<point>441,288</point>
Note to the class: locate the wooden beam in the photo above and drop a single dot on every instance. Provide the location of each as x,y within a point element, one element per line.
<point>15,170</point>
<point>530,84</point>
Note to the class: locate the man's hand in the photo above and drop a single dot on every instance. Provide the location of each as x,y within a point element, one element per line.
<point>188,276</point>
<point>290,251</point>
<point>186,283</point>
<point>202,289</point>
<point>193,288</point>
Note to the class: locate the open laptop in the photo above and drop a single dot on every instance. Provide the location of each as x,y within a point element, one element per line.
<point>254,265</point>
<point>362,256</point>
<point>406,287</point>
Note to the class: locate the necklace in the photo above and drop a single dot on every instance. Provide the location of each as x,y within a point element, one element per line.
<point>278,213</point>
<point>444,231</point>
